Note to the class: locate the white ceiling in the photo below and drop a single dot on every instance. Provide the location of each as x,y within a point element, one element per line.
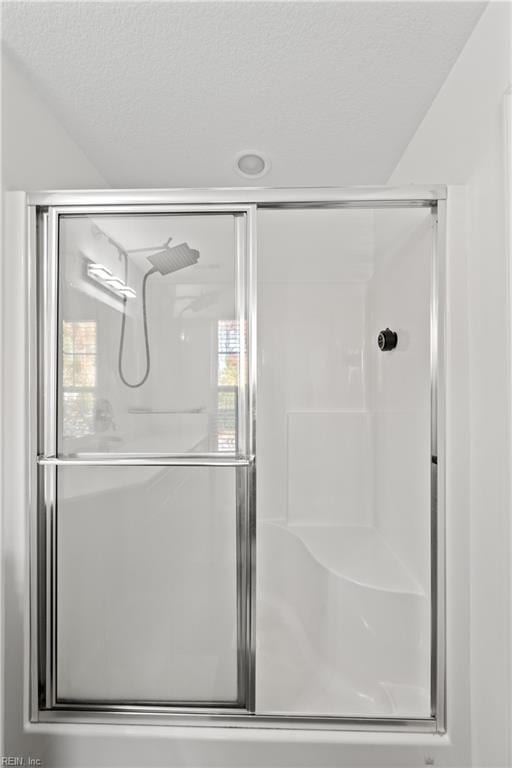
<point>163,94</point>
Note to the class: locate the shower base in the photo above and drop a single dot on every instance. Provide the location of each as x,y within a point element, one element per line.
<point>341,623</point>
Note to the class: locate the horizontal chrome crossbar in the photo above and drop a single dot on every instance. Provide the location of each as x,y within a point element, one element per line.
<point>125,460</point>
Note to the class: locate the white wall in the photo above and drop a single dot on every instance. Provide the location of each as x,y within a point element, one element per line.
<point>37,152</point>
<point>461,141</point>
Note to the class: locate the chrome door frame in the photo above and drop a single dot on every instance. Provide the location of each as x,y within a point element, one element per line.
<point>48,459</point>
<point>43,210</point>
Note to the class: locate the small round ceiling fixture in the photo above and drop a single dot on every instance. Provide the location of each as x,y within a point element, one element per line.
<point>252,164</point>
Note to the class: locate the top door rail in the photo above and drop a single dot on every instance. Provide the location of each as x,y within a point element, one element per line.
<point>266,197</point>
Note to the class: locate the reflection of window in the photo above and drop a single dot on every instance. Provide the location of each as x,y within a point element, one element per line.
<point>228,356</point>
<point>78,377</point>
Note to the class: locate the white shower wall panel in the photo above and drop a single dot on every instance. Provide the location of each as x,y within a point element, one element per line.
<point>399,384</point>
<point>312,269</point>
<point>311,366</point>
<point>330,485</point>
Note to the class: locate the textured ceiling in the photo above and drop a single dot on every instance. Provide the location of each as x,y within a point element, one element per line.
<point>163,94</point>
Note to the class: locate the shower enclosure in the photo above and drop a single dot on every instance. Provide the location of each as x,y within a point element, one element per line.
<point>237,457</point>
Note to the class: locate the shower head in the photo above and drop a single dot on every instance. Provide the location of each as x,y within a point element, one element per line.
<point>171,259</point>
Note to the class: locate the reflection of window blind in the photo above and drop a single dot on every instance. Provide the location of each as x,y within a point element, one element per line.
<point>78,378</point>
<point>229,337</point>
<point>228,357</point>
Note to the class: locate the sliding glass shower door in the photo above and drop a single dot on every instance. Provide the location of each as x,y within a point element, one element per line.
<point>189,566</point>
<point>145,457</point>
<point>344,565</point>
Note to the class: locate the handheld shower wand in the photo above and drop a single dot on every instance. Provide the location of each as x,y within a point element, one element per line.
<point>167,259</point>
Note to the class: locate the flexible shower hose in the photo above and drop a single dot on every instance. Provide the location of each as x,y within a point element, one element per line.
<point>123,326</point>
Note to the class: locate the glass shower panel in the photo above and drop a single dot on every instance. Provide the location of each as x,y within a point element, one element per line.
<point>343,446</point>
<point>151,343</point>
<point>146,600</point>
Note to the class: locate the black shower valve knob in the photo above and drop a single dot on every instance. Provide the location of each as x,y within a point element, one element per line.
<point>387,340</point>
